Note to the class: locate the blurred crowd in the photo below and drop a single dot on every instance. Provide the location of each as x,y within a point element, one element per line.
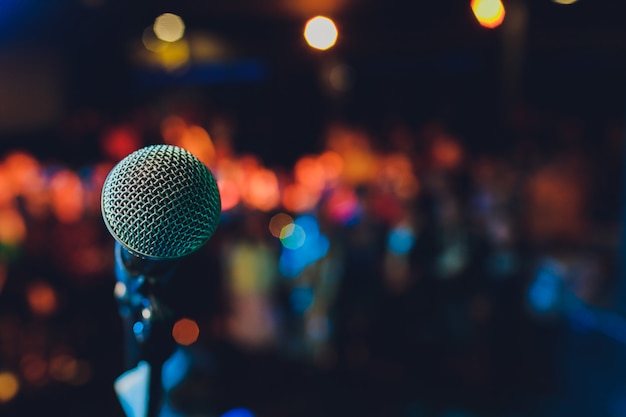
<point>382,269</point>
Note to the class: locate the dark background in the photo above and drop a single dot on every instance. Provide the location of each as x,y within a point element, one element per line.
<point>544,90</point>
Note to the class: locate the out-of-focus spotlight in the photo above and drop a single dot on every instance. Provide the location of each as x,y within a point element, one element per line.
<point>489,13</point>
<point>41,298</point>
<point>565,1</point>
<point>320,33</point>
<point>185,332</point>
<point>9,386</point>
<point>169,27</point>
<point>278,222</point>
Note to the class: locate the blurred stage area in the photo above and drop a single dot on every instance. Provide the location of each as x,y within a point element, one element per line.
<point>422,218</point>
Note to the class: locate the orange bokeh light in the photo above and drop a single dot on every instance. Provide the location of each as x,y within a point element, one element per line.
<point>185,332</point>
<point>298,198</point>
<point>261,190</point>
<point>196,140</point>
<point>41,298</point>
<point>309,172</point>
<point>67,196</point>
<point>229,194</point>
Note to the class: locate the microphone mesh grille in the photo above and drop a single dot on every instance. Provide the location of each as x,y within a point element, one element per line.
<point>161,202</point>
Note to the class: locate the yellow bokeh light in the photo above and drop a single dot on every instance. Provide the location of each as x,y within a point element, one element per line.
<point>9,386</point>
<point>320,33</point>
<point>489,13</point>
<point>169,27</point>
<point>185,332</point>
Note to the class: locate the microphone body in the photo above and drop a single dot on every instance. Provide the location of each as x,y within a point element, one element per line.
<point>160,204</point>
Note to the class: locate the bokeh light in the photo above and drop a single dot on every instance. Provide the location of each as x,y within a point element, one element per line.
<point>185,331</point>
<point>229,193</point>
<point>565,1</point>
<point>42,299</point>
<point>9,386</point>
<point>309,172</point>
<point>169,27</point>
<point>67,196</point>
<point>292,236</point>
<point>12,227</point>
<point>298,198</point>
<point>489,13</point>
<point>34,369</point>
<point>320,33</point>
<point>278,222</point>
<point>238,412</point>
<point>261,191</point>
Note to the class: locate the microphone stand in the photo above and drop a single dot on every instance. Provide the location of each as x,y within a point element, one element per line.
<point>147,320</point>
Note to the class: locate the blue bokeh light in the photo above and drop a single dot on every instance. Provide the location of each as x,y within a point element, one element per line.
<point>238,412</point>
<point>400,240</point>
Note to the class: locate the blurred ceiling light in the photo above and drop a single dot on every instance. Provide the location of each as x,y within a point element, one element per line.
<point>169,27</point>
<point>565,1</point>
<point>489,13</point>
<point>320,33</point>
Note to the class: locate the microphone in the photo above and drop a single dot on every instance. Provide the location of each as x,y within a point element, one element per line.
<point>160,204</point>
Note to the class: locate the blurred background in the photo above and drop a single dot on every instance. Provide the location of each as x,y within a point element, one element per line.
<point>422,204</point>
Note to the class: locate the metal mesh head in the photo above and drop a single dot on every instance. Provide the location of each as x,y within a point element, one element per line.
<point>161,202</point>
